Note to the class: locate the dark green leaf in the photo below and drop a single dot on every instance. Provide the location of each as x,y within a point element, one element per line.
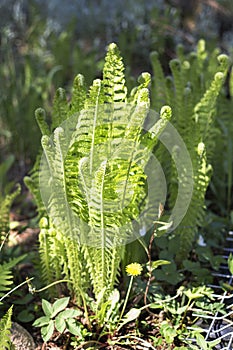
<point>25,316</point>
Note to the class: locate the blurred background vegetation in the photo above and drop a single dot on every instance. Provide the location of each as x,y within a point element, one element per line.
<point>44,44</point>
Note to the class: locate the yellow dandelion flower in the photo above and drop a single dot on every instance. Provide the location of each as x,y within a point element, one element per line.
<point>134,269</point>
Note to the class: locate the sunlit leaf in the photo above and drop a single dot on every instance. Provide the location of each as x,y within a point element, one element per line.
<point>47,308</point>
<point>47,331</point>
<point>60,305</point>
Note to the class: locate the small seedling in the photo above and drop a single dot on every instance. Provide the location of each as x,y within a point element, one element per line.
<point>57,317</point>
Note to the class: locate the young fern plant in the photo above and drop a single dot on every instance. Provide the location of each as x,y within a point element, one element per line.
<point>221,184</point>
<point>192,93</point>
<point>5,326</point>
<point>92,179</point>
<point>7,197</point>
<point>6,282</point>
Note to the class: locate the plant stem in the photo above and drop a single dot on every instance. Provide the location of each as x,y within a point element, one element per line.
<point>12,290</point>
<point>126,298</point>
<point>149,251</point>
<point>33,290</point>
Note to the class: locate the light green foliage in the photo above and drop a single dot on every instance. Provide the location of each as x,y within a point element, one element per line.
<point>178,312</point>
<point>94,164</point>
<point>59,317</point>
<point>230,263</point>
<point>5,325</point>
<point>6,281</point>
<point>221,185</point>
<point>192,92</point>
<point>6,276</point>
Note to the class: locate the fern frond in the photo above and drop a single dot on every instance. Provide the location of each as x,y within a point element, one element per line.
<point>196,83</point>
<point>46,253</point>
<point>195,212</point>
<point>5,206</point>
<point>78,94</point>
<point>5,326</point>
<point>205,111</point>
<point>159,86</point>
<point>144,81</point>
<point>113,76</point>
<point>41,121</point>
<point>62,217</point>
<point>33,184</point>
<point>6,276</point>
<point>60,108</point>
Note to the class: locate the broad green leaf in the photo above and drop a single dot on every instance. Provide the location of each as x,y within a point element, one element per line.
<point>42,321</point>
<point>25,316</point>
<point>69,313</point>
<point>47,308</point>
<point>73,326</point>
<point>47,331</point>
<point>60,324</point>
<point>60,305</point>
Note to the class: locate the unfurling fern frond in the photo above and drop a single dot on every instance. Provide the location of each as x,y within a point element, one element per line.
<point>113,76</point>
<point>78,94</point>
<point>5,326</point>
<point>60,108</point>
<point>205,113</point>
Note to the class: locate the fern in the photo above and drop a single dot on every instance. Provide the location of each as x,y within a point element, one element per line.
<point>6,276</point>
<point>221,184</point>
<point>46,237</point>
<point>113,76</point>
<point>6,281</point>
<point>6,203</point>
<point>93,180</point>
<point>5,325</point>
<point>78,94</point>
<point>192,92</point>
<point>194,216</point>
